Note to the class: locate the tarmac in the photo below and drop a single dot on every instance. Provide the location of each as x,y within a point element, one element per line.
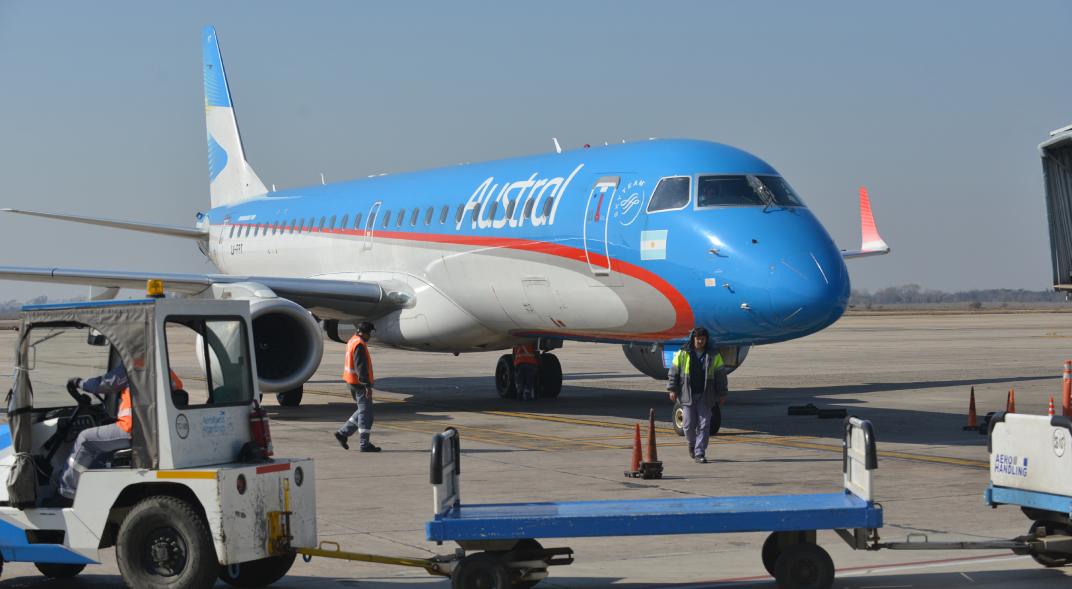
<point>909,374</point>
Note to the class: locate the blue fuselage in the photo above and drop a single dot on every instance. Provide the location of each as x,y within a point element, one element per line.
<point>631,242</point>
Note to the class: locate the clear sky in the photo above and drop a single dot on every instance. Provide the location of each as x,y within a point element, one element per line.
<point>938,107</point>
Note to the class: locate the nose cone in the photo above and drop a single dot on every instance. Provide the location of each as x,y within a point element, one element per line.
<point>809,288</point>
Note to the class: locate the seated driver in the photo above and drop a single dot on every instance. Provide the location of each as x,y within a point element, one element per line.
<point>95,441</point>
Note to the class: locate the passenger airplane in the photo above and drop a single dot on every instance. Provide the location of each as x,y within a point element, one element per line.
<point>630,244</point>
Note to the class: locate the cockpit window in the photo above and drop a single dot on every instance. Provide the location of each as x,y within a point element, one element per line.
<point>720,191</point>
<point>784,195</point>
<point>670,194</point>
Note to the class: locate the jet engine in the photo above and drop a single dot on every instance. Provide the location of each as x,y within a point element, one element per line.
<point>288,342</point>
<point>648,358</point>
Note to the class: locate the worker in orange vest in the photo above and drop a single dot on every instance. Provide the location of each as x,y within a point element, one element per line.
<point>525,365</point>
<point>357,372</point>
<point>95,441</point>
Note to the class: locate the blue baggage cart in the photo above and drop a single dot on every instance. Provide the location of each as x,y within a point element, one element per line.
<point>503,539</point>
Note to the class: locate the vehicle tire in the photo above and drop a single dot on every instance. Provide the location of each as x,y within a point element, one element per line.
<point>164,543</point>
<point>504,377</point>
<point>483,570</point>
<point>548,377</point>
<point>775,544</point>
<point>804,566</point>
<point>291,398</point>
<point>258,573</point>
<point>59,571</point>
<point>714,423</point>
<point>521,546</point>
<point>679,418</point>
<point>1049,559</point>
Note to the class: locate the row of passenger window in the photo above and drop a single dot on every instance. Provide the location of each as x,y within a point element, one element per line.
<point>334,223</point>
<point>717,191</point>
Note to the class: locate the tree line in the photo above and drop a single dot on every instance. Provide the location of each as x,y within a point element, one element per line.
<point>914,294</point>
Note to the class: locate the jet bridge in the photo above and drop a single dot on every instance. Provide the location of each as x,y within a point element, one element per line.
<point>1057,173</point>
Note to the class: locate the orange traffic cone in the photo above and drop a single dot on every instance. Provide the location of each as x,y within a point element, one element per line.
<point>651,468</point>
<point>1010,401</point>
<point>972,424</point>
<point>1051,406</point>
<point>634,465</point>
<point>652,455</point>
<point>1066,393</point>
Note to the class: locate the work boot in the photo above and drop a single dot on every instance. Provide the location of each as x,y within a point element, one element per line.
<point>342,441</point>
<point>368,447</point>
<point>701,459</point>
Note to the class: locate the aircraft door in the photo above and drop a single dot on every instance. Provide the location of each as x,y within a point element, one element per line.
<point>596,215</point>
<point>370,225</point>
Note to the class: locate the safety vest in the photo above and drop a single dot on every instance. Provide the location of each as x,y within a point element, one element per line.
<point>125,417</point>
<point>683,360</point>
<point>525,354</point>
<point>349,373</point>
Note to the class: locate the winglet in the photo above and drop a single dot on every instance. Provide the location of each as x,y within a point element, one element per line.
<point>872,243</point>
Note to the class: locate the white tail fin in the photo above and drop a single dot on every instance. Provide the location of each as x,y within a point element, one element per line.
<point>231,179</point>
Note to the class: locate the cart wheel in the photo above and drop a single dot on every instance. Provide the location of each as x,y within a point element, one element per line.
<point>804,566</point>
<point>504,377</point>
<point>1049,559</point>
<point>679,418</point>
<point>258,573</point>
<point>523,545</point>
<point>164,543</point>
<point>482,570</point>
<point>59,571</point>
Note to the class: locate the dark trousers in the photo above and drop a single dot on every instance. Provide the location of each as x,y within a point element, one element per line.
<point>361,421</point>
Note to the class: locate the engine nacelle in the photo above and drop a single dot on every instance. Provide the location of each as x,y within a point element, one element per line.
<point>288,342</point>
<point>648,358</point>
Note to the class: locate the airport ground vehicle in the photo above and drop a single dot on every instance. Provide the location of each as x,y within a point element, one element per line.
<point>508,554</point>
<point>194,497</point>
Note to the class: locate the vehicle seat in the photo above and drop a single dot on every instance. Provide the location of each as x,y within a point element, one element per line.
<point>116,459</point>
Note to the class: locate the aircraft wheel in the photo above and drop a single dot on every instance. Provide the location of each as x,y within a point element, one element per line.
<point>483,570</point>
<point>1049,559</point>
<point>804,566</point>
<point>548,377</point>
<point>715,422</point>
<point>291,398</point>
<point>679,418</point>
<point>258,573</point>
<point>59,571</point>
<point>504,377</point>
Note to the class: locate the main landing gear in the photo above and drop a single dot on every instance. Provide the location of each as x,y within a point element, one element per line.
<point>548,377</point>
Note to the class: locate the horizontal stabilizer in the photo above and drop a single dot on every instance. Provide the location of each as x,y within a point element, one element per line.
<point>170,230</point>
<point>871,243</point>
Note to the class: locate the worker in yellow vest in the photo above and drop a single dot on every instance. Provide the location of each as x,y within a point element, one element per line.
<point>93,442</point>
<point>693,381</point>
<point>525,366</point>
<point>357,372</point>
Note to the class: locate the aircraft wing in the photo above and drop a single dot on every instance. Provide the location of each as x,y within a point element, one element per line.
<point>170,230</point>
<point>871,243</point>
<point>336,298</point>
